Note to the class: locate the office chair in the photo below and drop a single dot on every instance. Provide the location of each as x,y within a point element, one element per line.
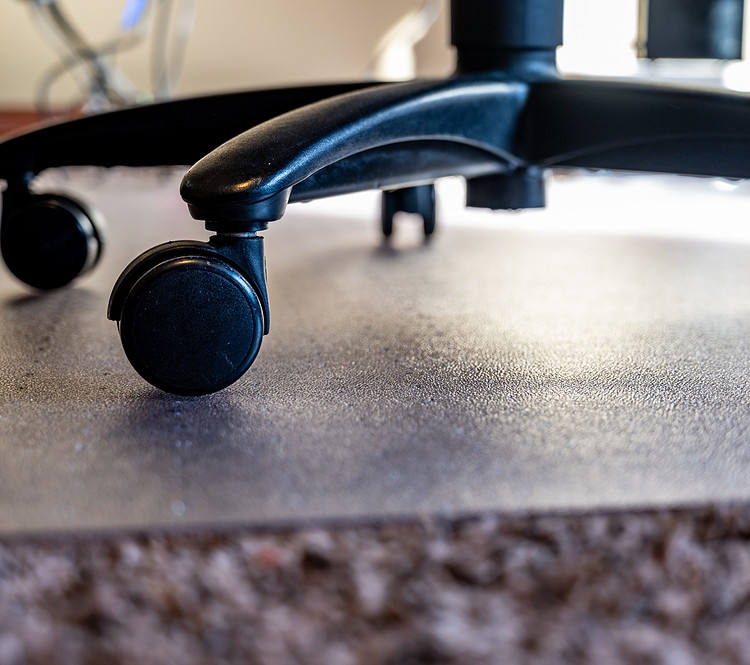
<point>191,315</point>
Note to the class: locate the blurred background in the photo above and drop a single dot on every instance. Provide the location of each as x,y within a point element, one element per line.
<point>161,48</point>
<point>219,45</point>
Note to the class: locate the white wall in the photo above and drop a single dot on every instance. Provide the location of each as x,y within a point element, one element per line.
<point>236,44</point>
<point>241,44</point>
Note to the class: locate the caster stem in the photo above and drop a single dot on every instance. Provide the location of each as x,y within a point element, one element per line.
<point>249,229</point>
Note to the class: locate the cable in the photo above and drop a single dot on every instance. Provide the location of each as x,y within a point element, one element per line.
<point>159,65</point>
<point>393,57</point>
<point>166,65</point>
<point>70,63</point>
<point>101,82</point>
<point>184,25</point>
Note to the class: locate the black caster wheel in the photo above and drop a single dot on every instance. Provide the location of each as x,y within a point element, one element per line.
<point>419,200</point>
<point>190,322</point>
<point>389,208</point>
<point>47,240</point>
<point>428,211</point>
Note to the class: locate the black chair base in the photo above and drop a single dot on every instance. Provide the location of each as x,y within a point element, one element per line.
<point>500,122</point>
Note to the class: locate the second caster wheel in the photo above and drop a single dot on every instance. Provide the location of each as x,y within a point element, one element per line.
<point>419,200</point>
<point>47,240</point>
<point>190,322</point>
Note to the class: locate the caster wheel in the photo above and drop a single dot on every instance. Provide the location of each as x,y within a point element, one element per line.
<point>389,208</point>
<point>191,324</point>
<point>428,212</point>
<point>48,240</point>
<point>419,200</point>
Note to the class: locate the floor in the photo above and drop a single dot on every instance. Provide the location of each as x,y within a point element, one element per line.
<point>594,354</point>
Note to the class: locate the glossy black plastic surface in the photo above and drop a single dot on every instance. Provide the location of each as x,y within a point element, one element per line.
<point>500,122</point>
<point>175,132</point>
<point>633,126</point>
<point>460,126</point>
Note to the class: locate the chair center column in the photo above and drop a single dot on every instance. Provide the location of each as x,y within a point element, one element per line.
<point>506,34</point>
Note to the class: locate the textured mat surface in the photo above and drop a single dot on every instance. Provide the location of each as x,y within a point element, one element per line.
<point>597,357</point>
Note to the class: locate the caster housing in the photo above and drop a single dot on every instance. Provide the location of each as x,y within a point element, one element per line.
<point>192,315</point>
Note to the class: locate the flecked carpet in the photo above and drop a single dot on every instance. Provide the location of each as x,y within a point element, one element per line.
<point>623,358</point>
<point>666,586</point>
